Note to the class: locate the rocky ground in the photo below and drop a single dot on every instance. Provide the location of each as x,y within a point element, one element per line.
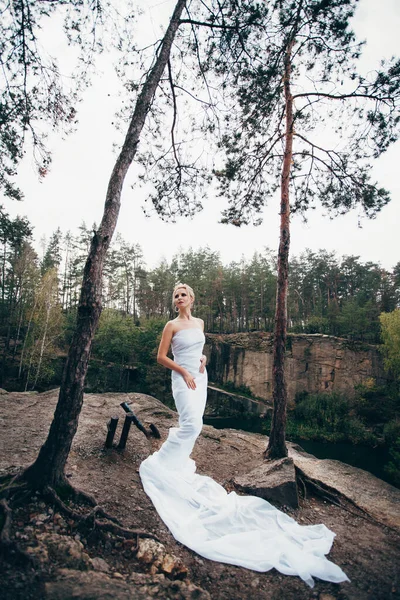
<point>73,564</point>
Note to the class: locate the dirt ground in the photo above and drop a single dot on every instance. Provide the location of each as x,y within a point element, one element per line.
<point>369,553</point>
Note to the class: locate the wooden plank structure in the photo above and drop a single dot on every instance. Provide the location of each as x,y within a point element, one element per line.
<point>129,419</point>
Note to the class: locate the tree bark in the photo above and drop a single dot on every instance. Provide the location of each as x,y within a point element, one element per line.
<point>277,445</point>
<point>48,468</point>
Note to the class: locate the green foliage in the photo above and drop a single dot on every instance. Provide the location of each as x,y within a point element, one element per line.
<point>328,416</point>
<point>124,356</point>
<point>376,405</point>
<point>45,329</point>
<point>114,339</point>
<point>390,323</point>
<point>327,411</point>
<point>339,297</point>
<point>392,439</point>
<point>369,418</point>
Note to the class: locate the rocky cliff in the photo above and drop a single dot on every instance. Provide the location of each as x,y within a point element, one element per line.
<point>315,363</point>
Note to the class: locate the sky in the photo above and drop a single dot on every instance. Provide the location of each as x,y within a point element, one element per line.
<point>74,189</point>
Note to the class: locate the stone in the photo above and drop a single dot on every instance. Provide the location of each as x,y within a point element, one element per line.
<point>39,552</point>
<point>42,518</point>
<point>65,550</point>
<point>154,554</point>
<point>273,480</point>
<point>99,564</point>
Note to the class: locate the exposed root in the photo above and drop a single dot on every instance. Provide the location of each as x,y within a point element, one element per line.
<point>338,500</point>
<point>90,520</point>
<point>52,496</point>
<point>16,488</point>
<point>81,496</point>
<point>5,530</point>
<point>96,519</point>
<point>303,485</point>
<point>128,534</point>
<point>8,484</point>
<point>9,550</point>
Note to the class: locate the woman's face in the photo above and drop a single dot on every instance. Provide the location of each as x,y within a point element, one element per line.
<point>182,298</point>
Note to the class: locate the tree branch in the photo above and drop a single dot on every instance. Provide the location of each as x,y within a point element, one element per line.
<point>210,25</point>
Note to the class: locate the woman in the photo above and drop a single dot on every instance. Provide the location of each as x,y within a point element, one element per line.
<point>241,530</point>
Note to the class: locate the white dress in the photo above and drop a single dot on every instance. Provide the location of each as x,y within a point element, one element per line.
<point>240,530</point>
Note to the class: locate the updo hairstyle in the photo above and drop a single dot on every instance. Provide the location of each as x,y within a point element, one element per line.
<point>185,286</point>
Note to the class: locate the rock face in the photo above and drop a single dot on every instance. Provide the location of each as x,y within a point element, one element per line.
<point>314,363</point>
<point>274,481</point>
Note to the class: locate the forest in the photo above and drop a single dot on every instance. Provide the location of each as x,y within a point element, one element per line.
<point>328,294</point>
<point>341,296</point>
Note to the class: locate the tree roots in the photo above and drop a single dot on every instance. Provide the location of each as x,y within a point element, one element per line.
<point>14,491</point>
<point>89,520</point>
<point>8,548</point>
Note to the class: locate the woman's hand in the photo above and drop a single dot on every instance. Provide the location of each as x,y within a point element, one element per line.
<point>203,362</point>
<point>189,380</point>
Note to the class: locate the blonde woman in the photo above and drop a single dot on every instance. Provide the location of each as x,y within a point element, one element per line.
<point>240,530</point>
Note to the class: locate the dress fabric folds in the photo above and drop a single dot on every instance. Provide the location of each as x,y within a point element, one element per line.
<point>240,530</point>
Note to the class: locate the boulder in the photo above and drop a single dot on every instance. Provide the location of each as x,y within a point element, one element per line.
<point>273,480</point>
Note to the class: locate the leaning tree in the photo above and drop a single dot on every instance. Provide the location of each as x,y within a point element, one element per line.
<point>298,118</point>
<point>46,474</point>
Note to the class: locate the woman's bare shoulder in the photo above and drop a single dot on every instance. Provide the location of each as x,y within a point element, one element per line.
<point>200,322</point>
<point>171,327</point>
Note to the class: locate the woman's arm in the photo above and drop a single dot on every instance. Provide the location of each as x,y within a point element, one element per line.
<point>164,360</point>
<point>203,359</point>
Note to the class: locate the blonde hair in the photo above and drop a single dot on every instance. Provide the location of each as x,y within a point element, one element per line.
<point>186,287</point>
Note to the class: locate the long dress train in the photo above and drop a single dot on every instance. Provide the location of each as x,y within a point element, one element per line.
<point>240,530</point>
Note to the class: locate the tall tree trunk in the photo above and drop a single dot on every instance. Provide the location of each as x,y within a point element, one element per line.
<point>276,445</point>
<point>20,316</point>
<point>26,338</point>
<point>48,468</point>
<point>3,271</point>
<point>48,309</point>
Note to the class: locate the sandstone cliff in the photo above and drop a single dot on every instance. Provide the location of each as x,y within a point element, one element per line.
<point>315,363</point>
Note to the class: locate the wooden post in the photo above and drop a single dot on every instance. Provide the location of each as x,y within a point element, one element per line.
<point>130,412</point>
<point>155,431</point>
<point>111,426</point>
<point>125,432</point>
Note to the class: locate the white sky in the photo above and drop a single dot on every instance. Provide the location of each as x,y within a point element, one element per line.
<point>75,188</point>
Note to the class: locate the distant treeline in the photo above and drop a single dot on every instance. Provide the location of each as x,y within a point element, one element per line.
<point>40,294</point>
